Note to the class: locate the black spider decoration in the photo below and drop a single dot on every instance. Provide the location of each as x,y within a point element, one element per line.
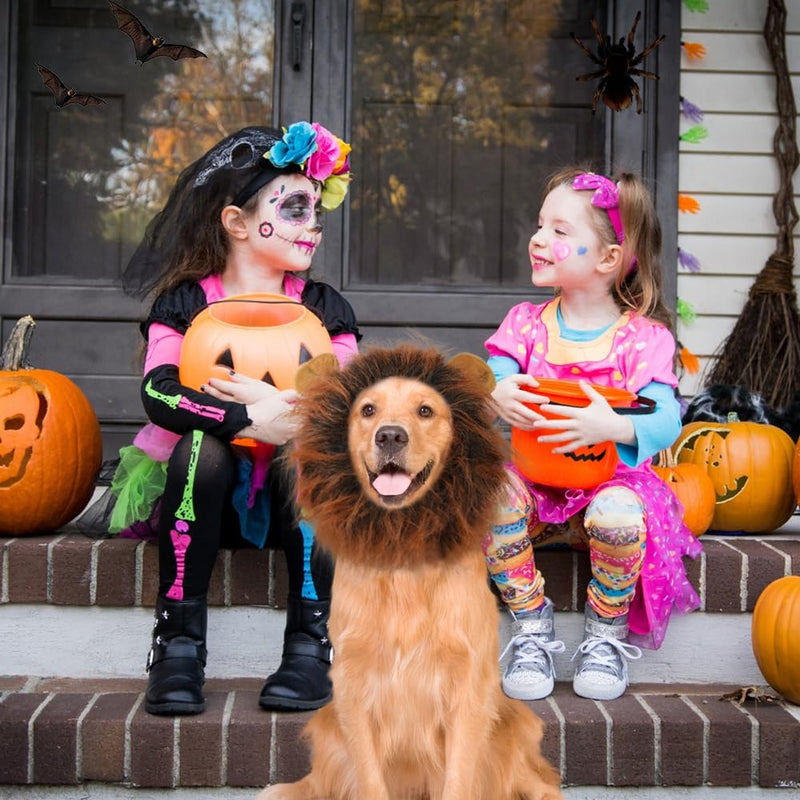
<point>618,62</point>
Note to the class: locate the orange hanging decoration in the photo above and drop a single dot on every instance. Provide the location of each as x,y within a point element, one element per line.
<point>688,204</point>
<point>694,50</point>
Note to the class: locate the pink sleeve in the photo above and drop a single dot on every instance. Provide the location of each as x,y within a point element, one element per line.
<point>345,346</point>
<point>513,337</point>
<point>651,357</point>
<point>163,346</point>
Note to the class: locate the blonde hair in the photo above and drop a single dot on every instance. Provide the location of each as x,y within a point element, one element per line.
<point>637,289</point>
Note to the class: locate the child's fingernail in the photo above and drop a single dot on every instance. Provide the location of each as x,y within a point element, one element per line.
<point>231,372</point>
<point>203,388</point>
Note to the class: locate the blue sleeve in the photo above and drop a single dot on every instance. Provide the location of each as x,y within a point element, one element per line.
<point>655,431</point>
<point>502,366</point>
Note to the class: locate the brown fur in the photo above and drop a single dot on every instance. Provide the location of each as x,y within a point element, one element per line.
<point>417,710</point>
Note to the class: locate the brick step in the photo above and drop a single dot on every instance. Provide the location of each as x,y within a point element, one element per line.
<point>68,568</point>
<point>64,732</point>
<point>91,602</point>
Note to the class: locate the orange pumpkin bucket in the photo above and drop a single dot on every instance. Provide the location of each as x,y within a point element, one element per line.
<point>263,336</point>
<point>585,467</point>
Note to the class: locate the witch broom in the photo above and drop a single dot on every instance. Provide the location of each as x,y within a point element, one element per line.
<point>762,352</point>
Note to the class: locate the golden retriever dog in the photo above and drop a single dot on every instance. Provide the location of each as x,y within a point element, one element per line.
<point>400,470</point>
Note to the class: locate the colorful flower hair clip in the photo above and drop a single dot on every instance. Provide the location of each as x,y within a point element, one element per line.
<point>320,155</point>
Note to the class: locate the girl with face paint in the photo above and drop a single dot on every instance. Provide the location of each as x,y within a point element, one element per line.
<point>597,244</point>
<point>244,218</point>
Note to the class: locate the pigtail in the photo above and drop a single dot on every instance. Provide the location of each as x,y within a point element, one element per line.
<point>640,288</point>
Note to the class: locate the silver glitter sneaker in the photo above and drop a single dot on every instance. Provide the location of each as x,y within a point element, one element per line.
<point>602,672</point>
<point>530,674</point>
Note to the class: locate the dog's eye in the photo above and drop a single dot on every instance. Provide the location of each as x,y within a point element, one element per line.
<point>425,411</point>
<point>368,410</point>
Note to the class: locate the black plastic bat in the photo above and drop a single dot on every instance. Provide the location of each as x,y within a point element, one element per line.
<point>62,94</point>
<point>145,44</point>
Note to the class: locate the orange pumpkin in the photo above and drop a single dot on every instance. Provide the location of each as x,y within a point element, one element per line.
<point>750,465</point>
<point>796,472</point>
<point>263,336</point>
<point>775,636</point>
<point>50,443</point>
<point>693,488</point>
<point>585,467</point>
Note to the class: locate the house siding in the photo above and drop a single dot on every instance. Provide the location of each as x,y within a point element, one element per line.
<point>733,173</point>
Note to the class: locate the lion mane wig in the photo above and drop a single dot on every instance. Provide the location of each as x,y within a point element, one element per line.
<point>451,517</point>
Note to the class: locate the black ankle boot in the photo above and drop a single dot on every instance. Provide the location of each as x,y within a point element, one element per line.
<point>301,681</point>
<point>177,658</point>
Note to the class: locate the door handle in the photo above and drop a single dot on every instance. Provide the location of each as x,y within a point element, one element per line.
<point>298,16</point>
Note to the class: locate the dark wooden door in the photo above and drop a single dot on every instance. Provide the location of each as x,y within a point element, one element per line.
<point>457,111</point>
<point>84,181</point>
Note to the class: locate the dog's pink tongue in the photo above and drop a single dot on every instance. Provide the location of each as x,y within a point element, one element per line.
<point>391,483</point>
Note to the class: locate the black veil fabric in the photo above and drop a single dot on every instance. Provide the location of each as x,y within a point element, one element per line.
<point>228,171</point>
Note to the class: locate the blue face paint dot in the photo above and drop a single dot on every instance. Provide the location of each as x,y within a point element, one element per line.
<point>582,251</point>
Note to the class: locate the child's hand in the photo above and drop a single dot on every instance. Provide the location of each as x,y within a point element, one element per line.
<point>510,398</point>
<point>270,409</point>
<point>580,427</point>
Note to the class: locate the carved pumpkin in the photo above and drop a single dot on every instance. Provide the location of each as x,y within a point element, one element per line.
<point>263,336</point>
<point>750,465</point>
<point>693,488</point>
<point>50,443</point>
<point>584,468</point>
<point>796,472</point>
<point>775,635</point>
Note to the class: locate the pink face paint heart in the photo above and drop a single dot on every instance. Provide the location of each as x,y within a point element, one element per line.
<point>561,250</point>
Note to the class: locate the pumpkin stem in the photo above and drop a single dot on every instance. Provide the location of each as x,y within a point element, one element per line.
<point>15,351</point>
<point>732,417</point>
<point>666,458</point>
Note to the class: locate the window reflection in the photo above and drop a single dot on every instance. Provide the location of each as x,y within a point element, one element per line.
<point>89,178</point>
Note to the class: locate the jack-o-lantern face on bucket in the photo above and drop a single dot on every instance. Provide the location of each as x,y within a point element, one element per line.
<point>263,336</point>
<point>583,468</point>
<point>21,410</point>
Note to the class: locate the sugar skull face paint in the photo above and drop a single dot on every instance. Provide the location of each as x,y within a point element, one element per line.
<point>561,251</point>
<point>295,208</point>
<point>286,227</point>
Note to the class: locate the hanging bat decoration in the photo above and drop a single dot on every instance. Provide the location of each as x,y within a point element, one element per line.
<point>62,94</point>
<point>145,44</point>
<point>619,64</point>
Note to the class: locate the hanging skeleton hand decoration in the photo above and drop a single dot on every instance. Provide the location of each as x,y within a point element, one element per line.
<point>145,44</point>
<point>619,64</point>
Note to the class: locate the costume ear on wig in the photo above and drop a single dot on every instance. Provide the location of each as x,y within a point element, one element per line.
<point>233,220</point>
<point>473,367</point>
<point>319,367</point>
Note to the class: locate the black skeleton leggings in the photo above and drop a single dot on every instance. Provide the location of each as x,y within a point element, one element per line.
<point>197,517</point>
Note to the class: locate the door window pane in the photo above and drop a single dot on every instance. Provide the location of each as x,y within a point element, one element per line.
<point>460,111</point>
<point>88,178</point>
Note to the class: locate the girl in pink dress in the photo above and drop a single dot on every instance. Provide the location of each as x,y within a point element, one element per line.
<point>598,244</point>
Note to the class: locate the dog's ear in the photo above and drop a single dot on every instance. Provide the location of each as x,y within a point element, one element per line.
<point>319,367</point>
<point>474,367</point>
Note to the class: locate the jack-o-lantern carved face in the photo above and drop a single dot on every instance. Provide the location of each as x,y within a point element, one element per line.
<point>263,336</point>
<point>22,408</point>
<point>750,466</point>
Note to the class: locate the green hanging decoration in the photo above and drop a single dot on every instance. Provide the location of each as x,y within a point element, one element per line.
<point>700,6</point>
<point>686,313</point>
<point>694,135</point>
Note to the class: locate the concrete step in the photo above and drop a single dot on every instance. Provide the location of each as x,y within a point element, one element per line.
<point>90,602</point>
<point>67,732</point>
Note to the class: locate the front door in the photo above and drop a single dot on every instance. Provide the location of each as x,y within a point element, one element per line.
<point>456,110</point>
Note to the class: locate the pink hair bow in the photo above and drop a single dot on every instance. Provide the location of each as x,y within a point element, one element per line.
<point>606,196</point>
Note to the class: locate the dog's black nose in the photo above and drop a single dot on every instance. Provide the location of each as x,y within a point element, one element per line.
<point>391,438</point>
